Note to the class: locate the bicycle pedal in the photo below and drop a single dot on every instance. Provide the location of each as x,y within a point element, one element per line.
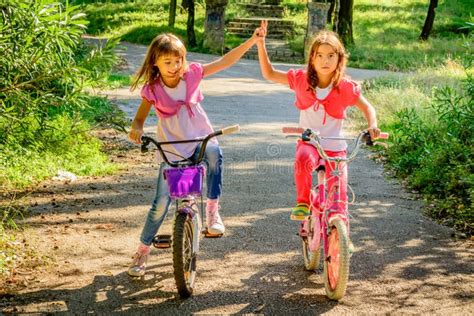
<point>207,234</point>
<point>162,241</point>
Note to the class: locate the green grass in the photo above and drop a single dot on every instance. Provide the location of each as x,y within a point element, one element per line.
<point>70,147</point>
<point>391,94</point>
<point>386,34</point>
<point>20,168</point>
<point>115,80</point>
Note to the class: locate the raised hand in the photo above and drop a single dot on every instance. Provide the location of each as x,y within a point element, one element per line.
<point>261,32</point>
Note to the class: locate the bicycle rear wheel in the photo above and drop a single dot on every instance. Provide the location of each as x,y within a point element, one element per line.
<point>336,264</point>
<point>184,258</point>
<point>311,245</point>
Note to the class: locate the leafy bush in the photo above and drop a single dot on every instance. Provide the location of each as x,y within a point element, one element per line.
<point>43,112</point>
<point>44,115</point>
<point>433,149</point>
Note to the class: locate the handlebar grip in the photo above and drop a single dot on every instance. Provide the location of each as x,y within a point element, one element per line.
<point>230,129</point>
<point>384,135</point>
<point>292,130</point>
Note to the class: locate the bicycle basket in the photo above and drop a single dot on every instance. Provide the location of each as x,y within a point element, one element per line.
<point>184,181</point>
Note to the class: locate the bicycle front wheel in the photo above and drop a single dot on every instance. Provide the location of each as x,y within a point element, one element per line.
<point>336,264</point>
<point>184,258</point>
<point>311,245</point>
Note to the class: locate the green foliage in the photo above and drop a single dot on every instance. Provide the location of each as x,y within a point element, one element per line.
<point>44,116</point>
<point>432,145</point>
<point>95,62</point>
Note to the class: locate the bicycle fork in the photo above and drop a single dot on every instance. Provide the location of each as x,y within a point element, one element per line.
<point>311,227</point>
<point>191,210</point>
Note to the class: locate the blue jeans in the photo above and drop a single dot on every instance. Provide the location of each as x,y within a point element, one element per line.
<point>159,208</point>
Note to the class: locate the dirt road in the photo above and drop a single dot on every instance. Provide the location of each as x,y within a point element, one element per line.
<point>404,263</point>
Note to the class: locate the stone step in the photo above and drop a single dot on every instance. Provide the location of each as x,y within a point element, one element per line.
<point>272,22</point>
<point>262,6</point>
<point>264,10</point>
<point>287,56</point>
<point>263,2</point>
<point>278,50</point>
<point>247,32</point>
<point>244,27</point>
<point>249,25</point>
<point>274,44</point>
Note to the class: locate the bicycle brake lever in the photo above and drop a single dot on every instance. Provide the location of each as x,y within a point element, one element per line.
<point>306,135</point>
<point>144,147</point>
<point>367,139</point>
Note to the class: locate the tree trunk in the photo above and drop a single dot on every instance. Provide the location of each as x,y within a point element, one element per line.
<point>344,23</point>
<point>184,6</point>
<point>190,25</point>
<point>425,33</point>
<point>335,17</point>
<point>172,16</point>
<point>214,26</point>
<point>331,11</point>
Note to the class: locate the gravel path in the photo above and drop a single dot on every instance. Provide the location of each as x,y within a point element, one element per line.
<point>404,263</point>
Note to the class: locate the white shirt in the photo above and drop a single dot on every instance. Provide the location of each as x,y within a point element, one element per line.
<point>317,119</point>
<point>182,127</point>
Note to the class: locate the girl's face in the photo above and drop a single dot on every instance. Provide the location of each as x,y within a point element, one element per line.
<point>325,60</point>
<point>170,67</point>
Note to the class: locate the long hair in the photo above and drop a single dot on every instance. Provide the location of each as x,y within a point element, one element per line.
<point>331,39</point>
<point>162,45</point>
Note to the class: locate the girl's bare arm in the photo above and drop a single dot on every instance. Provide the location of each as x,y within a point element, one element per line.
<point>369,112</point>
<point>268,72</point>
<point>230,58</point>
<point>136,130</point>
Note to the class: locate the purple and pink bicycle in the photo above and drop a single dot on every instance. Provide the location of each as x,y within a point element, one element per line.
<point>185,179</point>
<point>327,227</point>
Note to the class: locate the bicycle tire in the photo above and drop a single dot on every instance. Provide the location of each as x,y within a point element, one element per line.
<point>337,262</point>
<point>311,257</point>
<point>184,259</point>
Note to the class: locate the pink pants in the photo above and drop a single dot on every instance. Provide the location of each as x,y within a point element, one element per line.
<point>306,161</point>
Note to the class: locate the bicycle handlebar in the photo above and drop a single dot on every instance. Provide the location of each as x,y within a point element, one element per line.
<point>146,140</point>
<point>313,138</point>
<point>230,129</point>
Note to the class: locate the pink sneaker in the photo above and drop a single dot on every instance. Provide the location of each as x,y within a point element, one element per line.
<point>214,221</point>
<point>138,267</point>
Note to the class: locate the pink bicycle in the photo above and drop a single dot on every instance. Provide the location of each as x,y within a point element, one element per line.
<point>329,221</point>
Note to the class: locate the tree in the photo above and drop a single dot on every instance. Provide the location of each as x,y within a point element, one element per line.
<point>425,32</point>
<point>344,21</point>
<point>172,16</point>
<point>190,25</point>
<point>184,6</point>
<point>189,6</point>
<point>331,10</point>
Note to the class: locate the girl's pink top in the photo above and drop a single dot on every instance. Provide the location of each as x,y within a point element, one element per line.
<point>164,105</point>
<point>180,115</point>
<point>323,110</point>
<point>343,95</point>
